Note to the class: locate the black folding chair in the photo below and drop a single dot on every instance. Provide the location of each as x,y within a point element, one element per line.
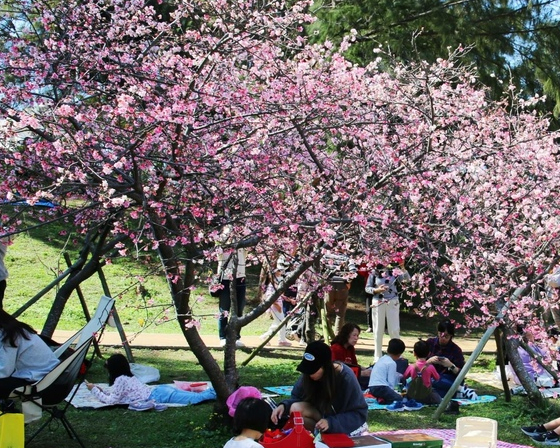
<point>50,392</point>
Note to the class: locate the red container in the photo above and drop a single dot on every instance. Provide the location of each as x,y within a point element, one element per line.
<point>299,437</point>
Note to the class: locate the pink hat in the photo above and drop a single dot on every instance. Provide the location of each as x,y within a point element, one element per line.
<point>241,393</point>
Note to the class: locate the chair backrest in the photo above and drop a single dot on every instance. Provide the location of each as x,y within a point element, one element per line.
<point>95,325</point>
<point>476,432</point>
<point>55,386</point>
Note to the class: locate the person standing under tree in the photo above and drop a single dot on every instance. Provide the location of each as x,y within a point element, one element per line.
<point>341,270</point>
<point>385,306</point>
<point>227,264</point>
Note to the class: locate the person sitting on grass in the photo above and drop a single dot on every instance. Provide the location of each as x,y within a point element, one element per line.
<point>343,349</point>
<point>427,372</point>
<point>327,394</point>
<point>250,421</point>
<point>548,433</point>
<point>384,376</point>
<point>127,389</point>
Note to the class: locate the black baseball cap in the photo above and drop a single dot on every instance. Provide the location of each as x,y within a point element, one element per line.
<point>317,354</point>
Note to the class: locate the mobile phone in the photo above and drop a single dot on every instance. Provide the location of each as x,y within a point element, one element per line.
<point>441,358</point>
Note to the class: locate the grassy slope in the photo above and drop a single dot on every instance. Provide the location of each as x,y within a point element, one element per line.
<point>33,262</point>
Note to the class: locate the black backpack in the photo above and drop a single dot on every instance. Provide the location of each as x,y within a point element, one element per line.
<point>416,388</point>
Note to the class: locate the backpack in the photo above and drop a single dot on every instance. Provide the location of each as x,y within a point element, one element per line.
<point>416,388</point>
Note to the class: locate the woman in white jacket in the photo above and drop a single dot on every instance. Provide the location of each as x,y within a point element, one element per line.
<point>24,357</point>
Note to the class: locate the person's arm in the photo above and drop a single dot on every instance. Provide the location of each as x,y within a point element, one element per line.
<point>8,357</point>
<point>296,396</point>
<point>117,394</point>
<point>408,372</point>
<point>404,276</point>
<point>337,353</point>
<point>392,375</point>
<point>458,358</point>
<point>372,288</point>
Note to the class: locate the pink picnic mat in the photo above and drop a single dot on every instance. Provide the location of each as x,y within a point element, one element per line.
<point>447,435</point>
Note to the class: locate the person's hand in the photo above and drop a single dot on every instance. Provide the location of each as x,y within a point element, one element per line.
<point>90,386</point>
<point>322,425</point>
<point>433,360</point>
<point>277,413</point>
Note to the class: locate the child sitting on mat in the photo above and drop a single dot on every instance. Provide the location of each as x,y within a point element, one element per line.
<point>384,376</point>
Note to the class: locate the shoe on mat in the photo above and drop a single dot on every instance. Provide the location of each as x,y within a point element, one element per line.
<point>284,344</point>
<point>533,430</point>
<point>549,438</point>
<point>160,407</point>
<point>412,405</point>
<point>239,344</point>
<point>141,406</point>
<point>222,342</point>
<point>395,406</point>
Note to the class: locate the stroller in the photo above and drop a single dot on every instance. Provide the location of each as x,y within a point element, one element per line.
<point>296,325</point>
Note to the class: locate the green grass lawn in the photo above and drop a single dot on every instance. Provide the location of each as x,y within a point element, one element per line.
<point>35,259</point>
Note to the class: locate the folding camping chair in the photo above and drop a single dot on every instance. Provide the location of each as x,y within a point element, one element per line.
<point>92,328</point>
<point>50,392</point>
<point>476,432</point>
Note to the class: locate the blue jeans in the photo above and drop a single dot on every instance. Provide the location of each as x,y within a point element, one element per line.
<point>165,393</point>
<point>225,303</point>
<point>443,384</point>
<point>386,393</point>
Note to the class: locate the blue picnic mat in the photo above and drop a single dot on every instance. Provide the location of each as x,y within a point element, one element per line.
<point>481,399</point>
<point>280,390</point>
<point>374,405</point>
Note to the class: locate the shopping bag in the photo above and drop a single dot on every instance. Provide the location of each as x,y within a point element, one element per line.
<point>292,435</point>
<point>11,431</point>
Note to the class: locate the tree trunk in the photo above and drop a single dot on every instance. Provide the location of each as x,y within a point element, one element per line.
<point>81,271</point>
<point>511,343</point>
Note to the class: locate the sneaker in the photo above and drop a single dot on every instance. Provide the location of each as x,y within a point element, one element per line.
<point>533,430</point>
<point>412,405</point>
<point>284,344</point>
<point>396,406</point>
<point>302,343</point>
<point>222,342</point>
<point>141,406</point>
<point>239,344</point>
<point>549,438</point>
<point>369,330</point>
<point>160,407</point>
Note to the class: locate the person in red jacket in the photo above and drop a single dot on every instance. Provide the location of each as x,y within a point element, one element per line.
<point>343,349</point>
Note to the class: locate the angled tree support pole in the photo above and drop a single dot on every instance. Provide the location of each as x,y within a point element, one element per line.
<point>477,351</point>
<point>116,318</point>
<point>463,373</point>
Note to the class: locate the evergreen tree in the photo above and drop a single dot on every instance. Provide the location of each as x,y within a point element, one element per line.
<point>513,41</point>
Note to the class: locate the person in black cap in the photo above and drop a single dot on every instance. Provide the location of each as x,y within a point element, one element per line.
<point>327,394</point>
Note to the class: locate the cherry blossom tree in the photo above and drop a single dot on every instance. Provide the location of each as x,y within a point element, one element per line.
<point>161,130</point>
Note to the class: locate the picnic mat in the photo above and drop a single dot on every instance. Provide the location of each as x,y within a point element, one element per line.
<point>84,399</point>
<point>547,392</point>
<point>374,405</point>
<point>447,435</point>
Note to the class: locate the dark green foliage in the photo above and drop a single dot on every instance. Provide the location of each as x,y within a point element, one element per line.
<point>515,40</point>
